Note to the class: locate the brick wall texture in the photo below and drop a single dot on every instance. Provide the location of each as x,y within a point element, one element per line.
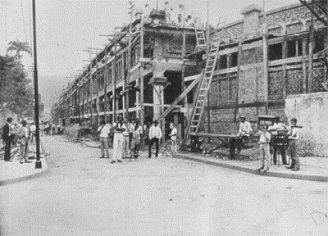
<point>282,80</point>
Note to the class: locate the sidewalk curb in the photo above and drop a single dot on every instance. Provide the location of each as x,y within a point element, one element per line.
<point>27,177</point>
<point>252,171</point>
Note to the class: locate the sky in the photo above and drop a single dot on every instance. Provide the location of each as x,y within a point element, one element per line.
<point>67,27</point>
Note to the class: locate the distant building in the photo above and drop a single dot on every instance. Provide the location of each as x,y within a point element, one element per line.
<point>257,69</point>
<point>136,78</point>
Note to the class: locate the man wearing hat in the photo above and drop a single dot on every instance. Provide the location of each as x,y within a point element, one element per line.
<point>244,132</point>
<point>274,129</point>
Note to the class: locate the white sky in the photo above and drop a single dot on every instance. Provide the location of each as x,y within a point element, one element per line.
<point>66,27</point>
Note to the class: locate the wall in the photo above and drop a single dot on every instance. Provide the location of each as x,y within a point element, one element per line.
<point>311,111</point>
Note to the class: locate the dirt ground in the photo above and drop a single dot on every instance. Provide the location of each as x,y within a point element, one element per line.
<point>85,195</point>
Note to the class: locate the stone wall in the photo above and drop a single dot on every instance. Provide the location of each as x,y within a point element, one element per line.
<point>275,84</point>
<point>311,111</point>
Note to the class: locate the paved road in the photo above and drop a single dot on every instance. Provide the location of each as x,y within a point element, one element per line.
<point>85,195</point>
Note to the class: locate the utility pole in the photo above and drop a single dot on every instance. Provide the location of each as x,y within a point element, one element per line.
<point>38,163</point>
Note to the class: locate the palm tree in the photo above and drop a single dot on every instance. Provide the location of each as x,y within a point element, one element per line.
<point>19,47</point>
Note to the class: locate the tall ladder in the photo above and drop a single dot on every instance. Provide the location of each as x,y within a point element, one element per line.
<point>204,86</point>
<point>200,39</point>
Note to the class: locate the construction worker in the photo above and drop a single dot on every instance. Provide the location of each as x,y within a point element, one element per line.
<point>244,133</point>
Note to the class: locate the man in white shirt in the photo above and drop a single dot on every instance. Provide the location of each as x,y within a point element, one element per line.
<point>173,136</point>
<point>103,132</point>
<point>274,130</point>
<point>244,132</point>
<point>119,128</point>
<point>32,131</point>
<point>23,134</point>
<point>265,138</point>
<point>244,127</point>
<point>155,134</point>
<point>126,139</point>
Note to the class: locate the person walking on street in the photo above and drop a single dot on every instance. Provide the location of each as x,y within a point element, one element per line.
<point>118,128</point>
<point>136,140</point>
<point>173,136</point>
<point>7,137</point>
<point>293,135</point>
<point>155,134</point>
<point>23,138</point>
<point>103,132</point>
<point>265,138</point>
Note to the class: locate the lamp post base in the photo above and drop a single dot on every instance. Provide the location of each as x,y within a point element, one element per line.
<point>38,165</point>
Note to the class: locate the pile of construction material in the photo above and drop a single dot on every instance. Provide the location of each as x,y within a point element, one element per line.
<point>72,132</point>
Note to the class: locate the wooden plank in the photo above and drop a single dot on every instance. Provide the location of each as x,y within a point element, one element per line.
<point>181,96</point>
<point>213,135</point>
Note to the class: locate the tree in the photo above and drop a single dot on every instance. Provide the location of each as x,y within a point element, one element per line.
<point>16,91</point>
<point>19,47</point>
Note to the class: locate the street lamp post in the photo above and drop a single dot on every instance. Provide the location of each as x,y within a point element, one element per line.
<point>38,163</point>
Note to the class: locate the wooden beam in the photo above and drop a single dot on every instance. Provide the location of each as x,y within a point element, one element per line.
<point>181,96</point>
<point>311,44</point>
<point>238,76</point>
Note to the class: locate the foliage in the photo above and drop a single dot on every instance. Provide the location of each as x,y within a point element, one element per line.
<point>19,48</point>
<point>16,91</point>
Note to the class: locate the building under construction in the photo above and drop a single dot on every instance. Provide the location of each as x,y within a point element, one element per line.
<point>153,69</point>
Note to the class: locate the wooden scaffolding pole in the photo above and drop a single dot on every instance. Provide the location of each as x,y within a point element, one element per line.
<point>265,61</point>
<point>142,107</point>
<point>185,101</point>
<point>311,44</point>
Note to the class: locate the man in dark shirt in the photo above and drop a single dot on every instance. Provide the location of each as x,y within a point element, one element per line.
<point>7,138</point>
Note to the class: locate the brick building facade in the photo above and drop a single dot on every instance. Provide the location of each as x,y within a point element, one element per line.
<point>262,61</point>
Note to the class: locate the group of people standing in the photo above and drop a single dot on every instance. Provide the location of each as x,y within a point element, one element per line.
<point>19,135</point>
<point>128,137</point>
<point>126,142</point>
<point>267,139</point>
